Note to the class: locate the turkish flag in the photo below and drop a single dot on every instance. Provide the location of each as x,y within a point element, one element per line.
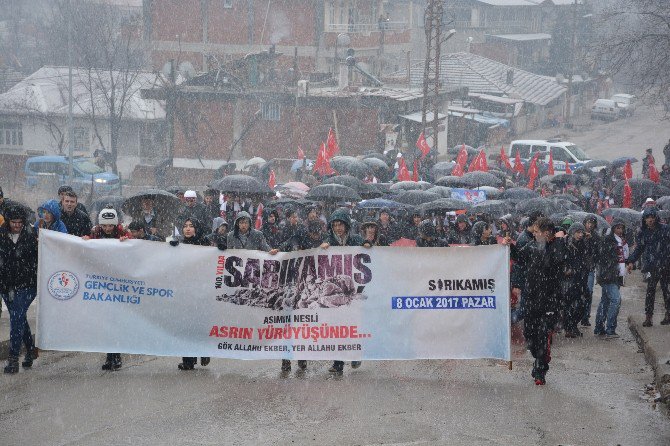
<point>272,181</point>
<point>483,164</point>
<point>550,170</point>
<point>533,172</point>
<point>301,154</point>
<point>415,171</point>
<point>259,217</point>
<point>568,171</point>
<point>423,146</point>
<point>627,196</point>
<point>457,171</point>
<point>322,164</point>
<point>403,172</point>
<point>627,171</point>
<point>331,144</point>
<point>462,157</point>
<point>518,165</point>
<point>504,159</point>
<point>653,173</point>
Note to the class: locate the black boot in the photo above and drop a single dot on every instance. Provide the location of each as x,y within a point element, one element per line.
<point>31,355</point>
<point>337,367</point>
<point>204,361</point>
<point>666,319</point>
<point>302,364</point>
<point>285,365</point>
<point>113,362</point>
<point>647,321</point>
<point>187,363</point>
<point>12,366</point>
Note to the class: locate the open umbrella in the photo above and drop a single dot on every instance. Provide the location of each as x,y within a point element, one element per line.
<point>496,208</point>
<point>476,179</point>
<point>449,181</point>
<point>518,193</point>
<point>642,189</point>
<point>376,164</point>
<point>442,168</point>
<point>442,191</point>
<point>545,205</point>
<point>255,161</point>
<point>584,172</point>
<point>404,186</point>
<point>333,192</point>
<point>356,168</point>
<point>415,197</point>
<point>631,217</point>
<point>568,197</point>
<point>293,189</point>
<point>241,184</point>
<point>663,202</point>
<point>621,161</point>
<point>164,202</point>
<point>379,203</point>
<point>340,163</point>
<point>365,190</point>
<point>444,205</point>
<point>597,163</point>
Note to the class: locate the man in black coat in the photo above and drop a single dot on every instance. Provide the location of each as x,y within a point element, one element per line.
<point>18,284</point>
<point>611,261</point>
<point>518,273</point>
<point>76,221</point>
<point>592,242</point>
<point>544,267</point>
<point>576,274</point>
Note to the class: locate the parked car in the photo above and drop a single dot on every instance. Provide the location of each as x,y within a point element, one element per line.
<point>626,103</point>
<point>605,109</point>
<point>562,152</point>
<point>86,174</point>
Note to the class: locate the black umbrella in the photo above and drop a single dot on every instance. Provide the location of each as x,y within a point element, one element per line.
<point>364,190</point>
<point>340,163</point>
<point>380,203</point>
<point>621,161</point>
<point>442,191</point>
<point>544,205</point>
<point>631,217</point>
<point>115,201</point>
<point>444,205</point>
<point>663,202</point>
<point>470,150</point>
<point>163,202</point>
<point>376,164</point>
<point>642,189</point>
<point>379,156</point>
<point>518,193</point>
<point>356,168</point>
<point>405,186</point>
<point>584,172</point>
<point>496,208</point>
<point>415,197</point>
<point>333,192</point>
<point>476,179</point>
<point>568,197</point>
<point>442,168</point>
<point>597,163</point>
<point>563,179</point>
<point>241,184</point>
<point>449,181</point>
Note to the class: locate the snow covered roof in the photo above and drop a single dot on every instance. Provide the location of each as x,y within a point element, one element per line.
<point>522,37</point>
<point>46,92</point>
<point>482,75</point>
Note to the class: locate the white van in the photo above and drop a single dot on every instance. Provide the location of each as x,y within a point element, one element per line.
<point>605,109</point>
<point>562,152</point>
<point>626,103</point>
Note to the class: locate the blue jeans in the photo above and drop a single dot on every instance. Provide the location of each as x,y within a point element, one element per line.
<point>588,298</point>
<point>19,331</point>
<point>608,310</point>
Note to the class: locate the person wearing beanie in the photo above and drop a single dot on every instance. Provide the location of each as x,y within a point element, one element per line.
<point>429,237</point>
<point>192,209</point>
<point>651,246</point>
<point>108,227</point>
<point>574,280</point>
<point>18,284</point>
<point>192,233</point>
<point>592,242</point>
<point>611,269</point>
<point>49,217</point>
<point>460,233</point>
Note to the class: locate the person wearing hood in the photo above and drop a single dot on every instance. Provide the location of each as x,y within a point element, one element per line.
<point>243,236</point>
<point>192,233</point>
<point>412,227</point>
<point>387,227</point>
<point>49,217</point>
<point>651,245</point>
<point>429,237</point>
<point>291,226</point>
<point>575,279</point>
<point>18,284</point>
<point>543,261</point>
<point>339,234</point>
<point>592,242</point>
<point>371,235</point>
<point>611,261</point>
<point>219,234</point>
<point>109,228</point>
<point>460,233</point>
<point>271,229</point>
<point>505,228</point>
<point>482,234</point>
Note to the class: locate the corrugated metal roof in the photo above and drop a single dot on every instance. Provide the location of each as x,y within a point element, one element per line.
<point>46,92</point>
<point>482,75</point>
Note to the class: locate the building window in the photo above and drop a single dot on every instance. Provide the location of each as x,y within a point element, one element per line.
<point>82,138</point>
<point>11,134</point>
<point>271,111</point>
<point>228,4</point>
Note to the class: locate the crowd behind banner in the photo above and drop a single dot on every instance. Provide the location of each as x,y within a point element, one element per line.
<point>554,264</point>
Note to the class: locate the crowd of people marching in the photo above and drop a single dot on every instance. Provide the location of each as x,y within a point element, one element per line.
<point>554,266</point>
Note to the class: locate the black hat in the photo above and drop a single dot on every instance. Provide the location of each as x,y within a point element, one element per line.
<point>63,189</point>
<point>135,226</point>
<point>16,213</point>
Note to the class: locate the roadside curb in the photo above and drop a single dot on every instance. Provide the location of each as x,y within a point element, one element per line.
<point>658,359</point>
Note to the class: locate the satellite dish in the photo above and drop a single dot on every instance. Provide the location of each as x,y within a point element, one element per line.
<point>186,69</point>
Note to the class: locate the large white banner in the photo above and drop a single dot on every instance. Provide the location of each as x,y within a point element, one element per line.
<point>341,303</point>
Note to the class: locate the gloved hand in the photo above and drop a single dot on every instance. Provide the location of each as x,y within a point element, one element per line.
<point>221,246</point>
<point>174,241</point>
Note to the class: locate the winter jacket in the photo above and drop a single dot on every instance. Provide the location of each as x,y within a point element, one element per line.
<point>351,238</point>
<point>428,236</point>
<point>390,232</point>
<point>77,223</point>
<point>199,238</point>
<point>476,235</point>
<point>54,208</point>
<point>98,233</point>
<point>592,242</point>
<point>652,245</point>
<point>18,261</point>
<point>544,263</point>
<point>302,241</point>
<point>253,240</point>
<point>608,260</point>
<point>456,237</point>
<point>576,267</point>
<point>520,257</point>
<point>197,211</point>
<point>271,231</point>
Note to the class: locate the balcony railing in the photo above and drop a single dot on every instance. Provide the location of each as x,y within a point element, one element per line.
<point>365,28</point>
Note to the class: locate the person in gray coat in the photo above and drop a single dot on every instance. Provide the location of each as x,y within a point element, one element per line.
<point>243,236</point>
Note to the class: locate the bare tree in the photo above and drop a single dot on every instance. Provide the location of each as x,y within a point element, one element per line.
<point>634,42</point>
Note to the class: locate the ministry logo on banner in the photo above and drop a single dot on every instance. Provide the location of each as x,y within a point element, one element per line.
<point>63,285</point>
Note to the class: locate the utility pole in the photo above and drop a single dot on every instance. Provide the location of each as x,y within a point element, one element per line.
<point>568,99</point>
<point>170,105</point>
<point>70,120</point>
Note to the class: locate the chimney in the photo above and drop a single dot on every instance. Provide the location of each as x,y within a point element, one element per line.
<point>510,77</point>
